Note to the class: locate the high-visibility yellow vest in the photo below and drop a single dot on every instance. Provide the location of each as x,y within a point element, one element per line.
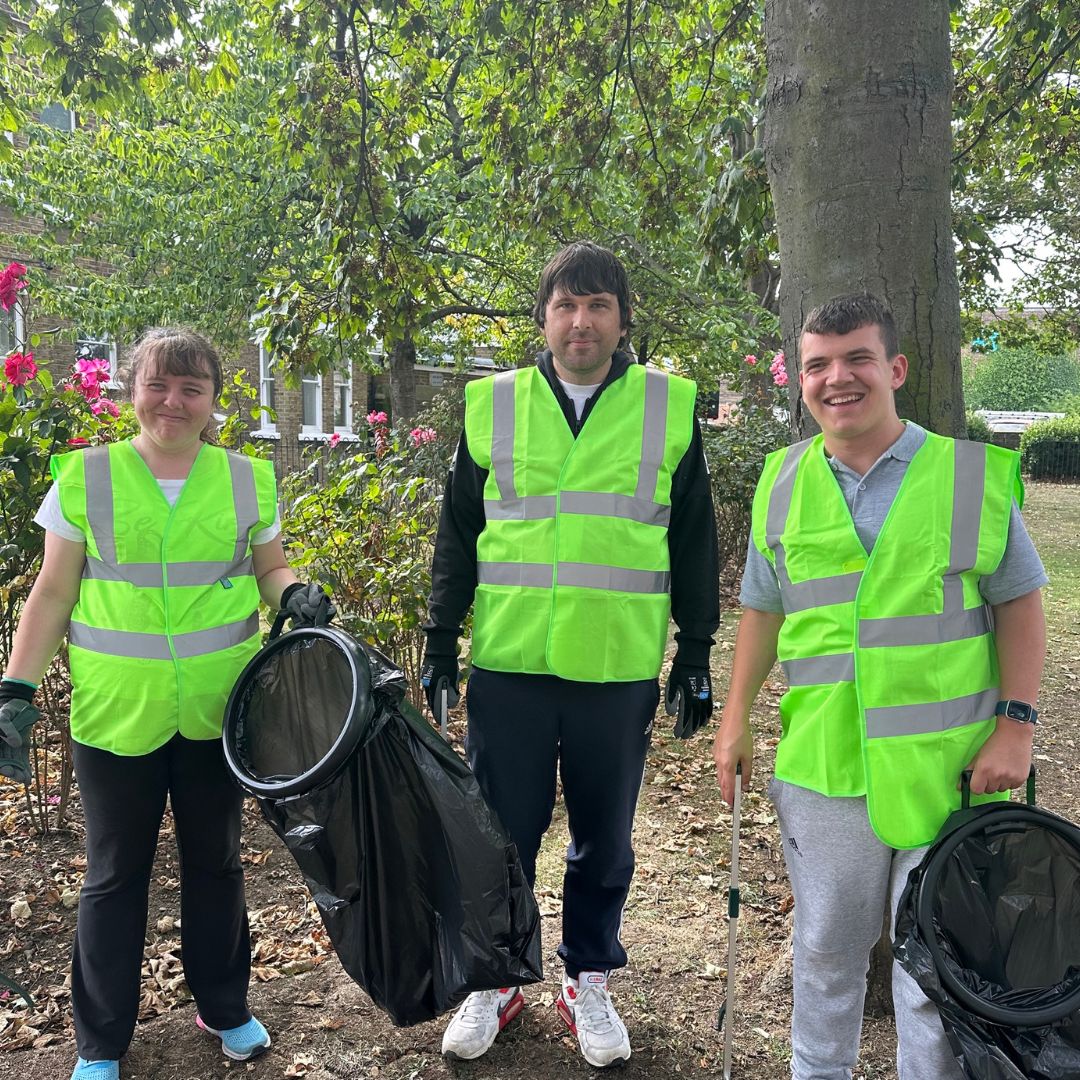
<point>573,569</point>
<point>167,614</point>
<point>889,656</point>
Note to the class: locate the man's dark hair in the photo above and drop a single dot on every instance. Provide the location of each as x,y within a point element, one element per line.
<point>842,314</point>
<point>582,268</point>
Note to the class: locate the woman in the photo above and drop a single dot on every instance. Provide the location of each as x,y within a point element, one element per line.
<point>157,551</point>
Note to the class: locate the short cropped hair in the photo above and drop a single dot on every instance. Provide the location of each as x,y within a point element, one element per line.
<point>582,268</point>
<point>842,314</point>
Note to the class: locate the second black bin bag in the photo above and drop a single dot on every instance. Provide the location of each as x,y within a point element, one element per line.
<point>417,883</point>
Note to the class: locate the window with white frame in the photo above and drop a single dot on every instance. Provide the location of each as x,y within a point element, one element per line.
<point>343,401</point>
<point>12,329</point>
<point>58,116</point>
<point>267,391</point>
<point>311,404</point>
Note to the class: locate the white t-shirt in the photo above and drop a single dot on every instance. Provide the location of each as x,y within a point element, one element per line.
<point>578,394</point>
<point>51,518</point>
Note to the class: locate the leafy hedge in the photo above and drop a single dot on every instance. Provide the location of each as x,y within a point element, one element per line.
<point>1050,449</point>
<point>978,430</point>
<point>1020,379</point>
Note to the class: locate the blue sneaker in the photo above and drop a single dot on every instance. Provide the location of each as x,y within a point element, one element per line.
<point>238,1043</point>
<point>96,1070</point>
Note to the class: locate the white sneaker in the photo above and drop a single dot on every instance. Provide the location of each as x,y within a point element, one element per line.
<point>586,1008</point>
<point>482,1015</point>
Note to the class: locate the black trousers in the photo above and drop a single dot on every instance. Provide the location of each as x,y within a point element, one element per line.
<point>522,728</point>
<point>123,801</point>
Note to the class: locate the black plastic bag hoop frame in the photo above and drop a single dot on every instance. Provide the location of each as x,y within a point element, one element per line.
<point>983,818</point>
<point>352,731</point>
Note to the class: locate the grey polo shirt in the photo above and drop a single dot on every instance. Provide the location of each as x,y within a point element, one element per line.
<point>869,498</point>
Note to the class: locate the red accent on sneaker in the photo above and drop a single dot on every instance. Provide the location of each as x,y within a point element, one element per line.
<point>511,1009</point>
<point>564,1012</point>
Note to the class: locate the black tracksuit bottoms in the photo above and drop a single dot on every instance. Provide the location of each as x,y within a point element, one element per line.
<point>526,729</point>
<point>123,800</point>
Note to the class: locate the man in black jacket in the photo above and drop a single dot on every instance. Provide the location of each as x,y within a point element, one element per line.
<point>577,514</point>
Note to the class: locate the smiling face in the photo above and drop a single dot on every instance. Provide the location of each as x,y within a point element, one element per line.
<point>172,410</point>
<point>582,333</point>
<point>847,382</point>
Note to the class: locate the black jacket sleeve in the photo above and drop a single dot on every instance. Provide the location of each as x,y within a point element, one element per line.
<point>695,560</point>
<point>453,566</point>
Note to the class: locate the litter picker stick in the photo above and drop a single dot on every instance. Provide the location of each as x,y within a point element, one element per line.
<point>725,1019</point>
<point>444,706</point>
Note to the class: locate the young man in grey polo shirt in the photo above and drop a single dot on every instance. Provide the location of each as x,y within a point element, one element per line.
<point>842,872</point>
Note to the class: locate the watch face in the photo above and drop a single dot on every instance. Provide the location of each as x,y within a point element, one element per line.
<point>1017,710</point>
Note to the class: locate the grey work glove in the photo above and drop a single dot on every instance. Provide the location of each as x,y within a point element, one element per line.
<point>17,717</point>
<point>307,605</point>
<point>688,698</point>
<point>437,672</point>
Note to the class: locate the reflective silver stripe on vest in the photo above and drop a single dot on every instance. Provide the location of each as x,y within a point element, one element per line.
<point>925,629</point>
<point>529,575</point>
<point>955,623</point>
<point>502,433</point>
<point>818,592</point>
<point>149,575</point>
<point>580,575</point>
<point>245,501</point>
<point>653,434</point>
<point>613,578</point>
<point>814,592</point>
<point>97,478</point>
<point>526,508</point>
<point>137,646</point>
<point>607,504</point>
<point>820,670</point>
<point>933,717</point>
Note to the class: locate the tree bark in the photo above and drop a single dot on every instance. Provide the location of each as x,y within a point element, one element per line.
<point>858,144</point>
<point>403,380</point>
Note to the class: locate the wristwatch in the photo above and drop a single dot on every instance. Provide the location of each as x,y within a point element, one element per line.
<point>1020,711</point>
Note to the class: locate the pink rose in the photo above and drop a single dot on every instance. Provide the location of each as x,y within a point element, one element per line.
<point>778,370</point>
<point>334,440</point>
<point>78,442</point>
<point>19,368</point>
<point>421,435</point>
<point>104,405</point>
<point>750,359</point>
<point>376,418</point>
<point>12,279</point>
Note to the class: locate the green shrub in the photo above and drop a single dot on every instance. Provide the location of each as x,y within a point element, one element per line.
<point>1070,405</point>
<point>39,418</point>
<point>1050,449</point>
<point>978,430</point>
<point>366,529</point>
<point>736,453</point>
<point>1020,379</point>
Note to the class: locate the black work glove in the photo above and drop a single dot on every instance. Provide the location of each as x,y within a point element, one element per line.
<point>688,698</point>
<point>307,605</point>
<point>17,717</point>
<point>439,672</point>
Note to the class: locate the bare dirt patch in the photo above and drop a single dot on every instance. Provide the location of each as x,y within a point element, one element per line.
<point>675,927</point>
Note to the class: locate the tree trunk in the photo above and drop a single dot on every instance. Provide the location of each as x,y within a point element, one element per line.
<point>858,144</point>
<point>403,380</point>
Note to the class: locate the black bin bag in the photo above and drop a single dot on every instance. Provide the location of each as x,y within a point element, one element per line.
<point>417,883</point>
<point>989,927</point>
